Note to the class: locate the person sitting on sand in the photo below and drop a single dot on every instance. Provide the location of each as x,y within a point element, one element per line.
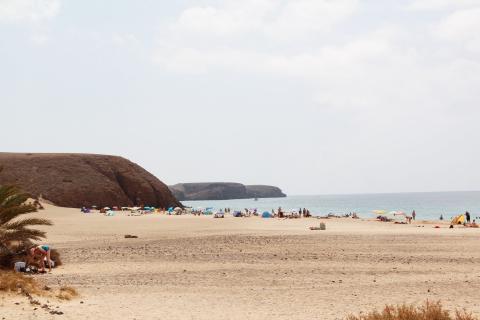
<point>42,251</point>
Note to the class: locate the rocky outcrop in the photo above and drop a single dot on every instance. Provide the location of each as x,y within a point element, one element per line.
<point>209,191</point>
<point>75,180</point>
<point>261,191</point>
<point>223,191</point>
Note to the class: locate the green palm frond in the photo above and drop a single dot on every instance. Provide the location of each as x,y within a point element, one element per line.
<point>21,235</point>
<point>25,223</point>
<point>8,214</point>
<point>14,231</point>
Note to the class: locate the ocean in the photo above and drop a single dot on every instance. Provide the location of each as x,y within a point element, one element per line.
<point>427,205</point>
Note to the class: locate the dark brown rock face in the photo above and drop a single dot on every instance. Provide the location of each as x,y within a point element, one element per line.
<point>76,180</point>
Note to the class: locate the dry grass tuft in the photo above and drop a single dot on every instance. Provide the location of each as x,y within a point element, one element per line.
<point>18,283</point>
<point>67,293</point>
<point>429,311</point>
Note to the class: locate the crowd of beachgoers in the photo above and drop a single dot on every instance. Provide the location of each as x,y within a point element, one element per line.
<point>398,217</point>
<point>199,211</point>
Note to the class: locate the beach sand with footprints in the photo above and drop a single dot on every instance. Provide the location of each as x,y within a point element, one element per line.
<point>188,267</point>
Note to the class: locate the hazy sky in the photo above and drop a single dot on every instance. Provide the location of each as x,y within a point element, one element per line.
<point>315,96</point>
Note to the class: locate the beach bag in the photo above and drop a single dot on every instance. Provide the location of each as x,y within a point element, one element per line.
<point>20,266</point>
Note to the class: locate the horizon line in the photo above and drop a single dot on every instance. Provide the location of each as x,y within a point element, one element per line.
<point>378,193</point>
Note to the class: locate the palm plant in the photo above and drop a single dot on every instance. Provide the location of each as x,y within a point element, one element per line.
<point>15,232</point>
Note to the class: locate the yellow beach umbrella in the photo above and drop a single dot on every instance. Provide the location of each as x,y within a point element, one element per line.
<point>460,219</point>
<point>379,211</point>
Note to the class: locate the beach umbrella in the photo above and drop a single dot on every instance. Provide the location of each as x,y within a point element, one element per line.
<point>379,212</point>
<point>266,214</point>
<point>460,219</point>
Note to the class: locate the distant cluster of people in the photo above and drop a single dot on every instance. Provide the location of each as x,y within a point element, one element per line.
<point>465,220</point>
<point>280,213</point>
<point>140,210</point>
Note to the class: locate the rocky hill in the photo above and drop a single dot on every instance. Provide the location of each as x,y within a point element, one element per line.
<point>262,191</point>
<point>75,180</point>
<point>223,191</point>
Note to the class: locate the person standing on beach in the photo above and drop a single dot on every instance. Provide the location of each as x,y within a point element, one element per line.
<point>414,215</point>
<point>467,215</point>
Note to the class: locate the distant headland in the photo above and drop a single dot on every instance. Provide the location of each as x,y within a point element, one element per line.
<point>223,191</point>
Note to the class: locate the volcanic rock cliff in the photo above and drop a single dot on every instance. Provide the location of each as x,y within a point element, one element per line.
<point>75,180</point>
<point>223,191</point>
<point>262,191</point>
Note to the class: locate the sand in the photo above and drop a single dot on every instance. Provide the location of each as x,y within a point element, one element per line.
<point>186,267</point>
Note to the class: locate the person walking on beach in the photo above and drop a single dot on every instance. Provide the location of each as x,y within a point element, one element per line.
<point>467,215</point>
<point>414,215</point>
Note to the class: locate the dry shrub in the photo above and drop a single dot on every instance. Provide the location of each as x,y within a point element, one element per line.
<point>67,293</point>
<point>55,256</point>
<point>429,311</point>
<point>7,259</point>
<point>18,283</point>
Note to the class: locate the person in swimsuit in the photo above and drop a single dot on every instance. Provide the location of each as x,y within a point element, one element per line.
<point>42,251</point>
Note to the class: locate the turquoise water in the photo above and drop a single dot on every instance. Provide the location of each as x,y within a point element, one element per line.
<point>428,206</point>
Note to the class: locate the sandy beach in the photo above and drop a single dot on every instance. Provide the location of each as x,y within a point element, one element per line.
<point>188,267</point>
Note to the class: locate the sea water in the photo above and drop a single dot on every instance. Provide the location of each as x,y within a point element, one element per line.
<point>428,205</point>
